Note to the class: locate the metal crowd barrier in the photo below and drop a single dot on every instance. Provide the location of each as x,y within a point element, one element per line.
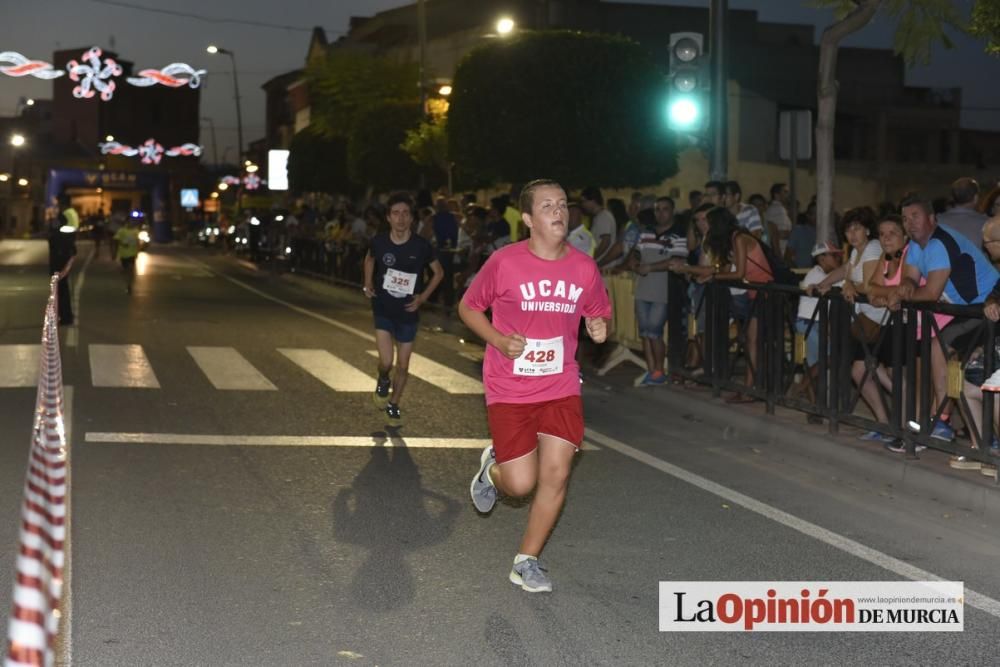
<point>911,412</point>
<point>38,580</point>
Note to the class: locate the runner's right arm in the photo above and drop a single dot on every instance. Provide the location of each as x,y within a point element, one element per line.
<point>369,286</point>
<point>510,346</point>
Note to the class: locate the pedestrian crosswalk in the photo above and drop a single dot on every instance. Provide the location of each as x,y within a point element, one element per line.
<point>227,369</point>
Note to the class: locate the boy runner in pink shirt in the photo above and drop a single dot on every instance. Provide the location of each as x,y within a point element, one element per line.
<point>538,290</point>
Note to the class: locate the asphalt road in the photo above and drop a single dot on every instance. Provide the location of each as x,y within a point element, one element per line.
<point>291,524</point>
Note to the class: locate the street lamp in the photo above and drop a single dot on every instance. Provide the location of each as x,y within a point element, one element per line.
<point>505,25</point>
<point>17,140</point>
<point>236,89</point>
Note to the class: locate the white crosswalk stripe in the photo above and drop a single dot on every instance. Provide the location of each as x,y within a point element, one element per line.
<point>121,366</point>
<point>440,375</point>
<point>19,365</point>
<point>227,369</point>
<point>330,370</point>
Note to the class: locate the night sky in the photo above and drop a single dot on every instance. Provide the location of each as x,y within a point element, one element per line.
<point>151,39</point>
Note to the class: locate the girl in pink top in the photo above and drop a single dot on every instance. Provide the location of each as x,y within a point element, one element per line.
<point>537,290</point>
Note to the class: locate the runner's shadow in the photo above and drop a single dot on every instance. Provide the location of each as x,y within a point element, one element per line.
<point>387,511</point>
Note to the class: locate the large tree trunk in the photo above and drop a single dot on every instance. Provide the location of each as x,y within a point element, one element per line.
<point>862,14</point>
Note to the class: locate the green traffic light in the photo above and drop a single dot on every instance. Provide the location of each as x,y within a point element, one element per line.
<point>684,113</point>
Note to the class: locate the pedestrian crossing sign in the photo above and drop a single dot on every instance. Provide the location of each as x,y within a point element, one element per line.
<point>189,197</point>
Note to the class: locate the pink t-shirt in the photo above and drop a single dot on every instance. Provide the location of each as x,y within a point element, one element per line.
<point>543,300</point>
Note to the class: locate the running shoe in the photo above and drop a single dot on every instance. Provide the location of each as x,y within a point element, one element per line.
<point>392,410</point>
<point>875,436</point>
<point>382,388</point>
<point>484,494</point>
<point>992,382</point>
<point>530,575</point>
<point>896,446</point>
<point>943,431</point>
<point>655,379</point>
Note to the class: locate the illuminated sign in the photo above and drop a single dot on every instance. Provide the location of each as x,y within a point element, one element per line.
<point>277,170</point>
<point>189,197</point>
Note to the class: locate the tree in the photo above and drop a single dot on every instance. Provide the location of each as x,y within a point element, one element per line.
<point>579,108</point>
<point>375,155</point>
<point>348,83</point>
<point>318,164</point>
<point>986,24</point>
<point>921,23</point>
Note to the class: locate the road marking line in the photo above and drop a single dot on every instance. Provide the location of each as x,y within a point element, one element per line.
<point>440,375</point>
<point>293,440</point>
<point>286,440</point>
<point>308,313</point>
<point>332,371</point>
<point>436,373</point>
<point>227,369</point>
<point>19,365</point>
<point>847,545</point>
<point>121,366</point>
<point>72,332</point>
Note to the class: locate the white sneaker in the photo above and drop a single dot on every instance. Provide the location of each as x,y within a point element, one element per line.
<point>993,382</point>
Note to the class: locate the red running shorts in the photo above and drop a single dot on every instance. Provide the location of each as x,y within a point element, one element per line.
<point>515,427</point>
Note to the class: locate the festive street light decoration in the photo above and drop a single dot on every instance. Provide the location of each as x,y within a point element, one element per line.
<point>94,74</point>
<point>97,75</point>
<point>22,66</point>
<point>174,75</point>
<point>150,151</point>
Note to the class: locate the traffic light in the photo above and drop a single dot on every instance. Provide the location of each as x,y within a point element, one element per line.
<point>687,106</point>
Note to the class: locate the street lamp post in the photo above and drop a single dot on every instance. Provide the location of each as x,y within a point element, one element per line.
<point>236,89</point>
<point>215,146</point>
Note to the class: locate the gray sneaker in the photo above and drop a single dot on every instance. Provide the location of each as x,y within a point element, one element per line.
<point>530,575</point>
<point>484,494</point>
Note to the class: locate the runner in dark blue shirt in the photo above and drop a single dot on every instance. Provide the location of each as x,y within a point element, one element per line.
<point>394,281</point>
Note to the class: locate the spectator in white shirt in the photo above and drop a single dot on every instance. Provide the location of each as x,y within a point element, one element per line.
<point>776,218</point>
<point>602,222</point>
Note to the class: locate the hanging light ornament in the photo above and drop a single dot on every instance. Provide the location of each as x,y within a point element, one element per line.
<point>95,74</point>
<point>22,66</point>
<point>150,151</point>
<point>173,75</point>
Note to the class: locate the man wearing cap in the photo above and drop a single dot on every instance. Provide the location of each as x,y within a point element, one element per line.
<point>826,258</point>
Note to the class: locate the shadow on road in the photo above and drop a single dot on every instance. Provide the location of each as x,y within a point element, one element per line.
<point>387,511</point>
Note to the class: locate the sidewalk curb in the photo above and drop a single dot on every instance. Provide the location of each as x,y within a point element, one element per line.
<point>979,494</point>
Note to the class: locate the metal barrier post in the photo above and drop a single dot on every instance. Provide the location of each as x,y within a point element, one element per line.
<point>823,366</point>
<point>676,329</point>
<point>896,405</point>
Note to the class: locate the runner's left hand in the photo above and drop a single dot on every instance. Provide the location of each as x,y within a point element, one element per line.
<point>597,329</point>
<point>414,305</point>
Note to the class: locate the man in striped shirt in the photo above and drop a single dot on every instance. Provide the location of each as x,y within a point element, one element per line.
<point>747,215</point>
<point>662,238</point>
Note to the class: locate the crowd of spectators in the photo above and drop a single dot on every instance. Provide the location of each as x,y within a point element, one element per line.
<point>918,250</point>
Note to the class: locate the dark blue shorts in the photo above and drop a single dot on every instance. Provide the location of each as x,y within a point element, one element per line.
<point>403,332</point>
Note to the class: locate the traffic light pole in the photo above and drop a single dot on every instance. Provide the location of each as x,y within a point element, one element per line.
<point>719,166</point>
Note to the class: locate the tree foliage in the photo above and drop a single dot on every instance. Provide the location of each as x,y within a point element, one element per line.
<point>348,83</point>
<point>579,108</point>
<point>920,24</point>
<point>427,144</point>
<point>318,164</point>
<point>985,23</point>
<point>375,155</point>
